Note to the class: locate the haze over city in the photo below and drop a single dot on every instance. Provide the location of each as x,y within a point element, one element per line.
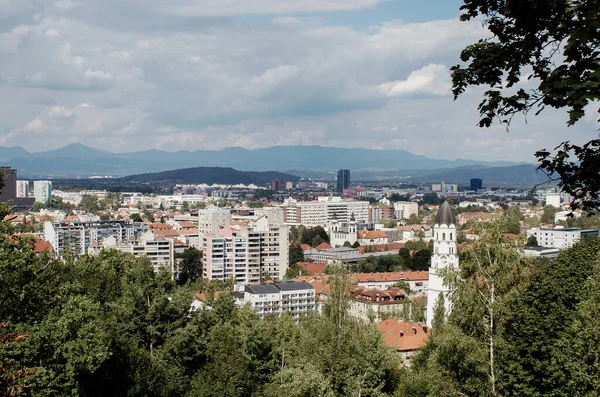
<point>208,75</point>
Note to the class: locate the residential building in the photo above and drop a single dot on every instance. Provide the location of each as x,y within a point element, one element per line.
<point>476,184</point>
<point>444,256</point>
<point>42,191</point>
<point>296,298</point>
<point>553,199</point>
<point>278,185</point>
<point>540,252</point>
<point>561,238</point>
<point>372,237</point>
<point>374,304</point>
<point>404,209</point>
<point>406,338</point>
<point>324,210</point>
<point>211,220</point>
<point>343,180</point>
<point>248,253</point>
<point>464,217</point>
<point>160,252</point>
<point>79,238</point>
<point>347,255</point>
<point>22,189</point>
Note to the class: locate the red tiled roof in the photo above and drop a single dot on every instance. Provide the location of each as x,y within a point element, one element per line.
<point>371,234</point>
<point>305,247</point>
<point>315,269</point>
<point>380,247</point>
<point>404,336</point>
<point>323,246</point>
<point>392,276</point>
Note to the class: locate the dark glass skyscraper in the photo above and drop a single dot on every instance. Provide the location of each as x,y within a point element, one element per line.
<point>476,184</point>
<point>343,180</point>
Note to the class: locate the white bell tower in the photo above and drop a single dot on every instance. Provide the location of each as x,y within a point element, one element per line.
<point>444,256</point>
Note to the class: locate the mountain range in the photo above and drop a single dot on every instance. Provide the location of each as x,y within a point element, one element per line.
<point>77,160</point>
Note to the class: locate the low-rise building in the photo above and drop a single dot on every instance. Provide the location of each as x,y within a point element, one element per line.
<point>296,298</point>
<point>561,238</point>
<point>375,304</point>
<point>405,337</point>
<point>417,281</point>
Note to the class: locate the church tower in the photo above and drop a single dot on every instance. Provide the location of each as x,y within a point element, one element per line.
<point>444,256</point>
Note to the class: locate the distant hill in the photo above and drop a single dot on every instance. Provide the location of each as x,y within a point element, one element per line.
<point>77,160</point>
<point>209,175</point>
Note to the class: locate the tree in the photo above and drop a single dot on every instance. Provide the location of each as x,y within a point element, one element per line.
<point>136,217</point>
<point>190,266</point>
<point>554,43</point>
<point>401,285</point>
<point>532,241</point>
<point>413,219</point>
<point>390,223</point>
<point>296,254</point>
<point>548,215</point>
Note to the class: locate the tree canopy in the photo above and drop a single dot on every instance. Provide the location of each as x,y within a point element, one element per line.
<point>556,45</point>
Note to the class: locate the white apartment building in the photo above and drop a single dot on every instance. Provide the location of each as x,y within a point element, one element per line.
<point>248,253</point>
<point>404,209</point>
<point>42,191</point>
<point>80,237</point>
<point>22,188</point>
<point>160,252</point>
<point>212,220</point>
<point>278,297</point>
<point>324,210</point>
<point>553,199</point>
<point>561,238</point>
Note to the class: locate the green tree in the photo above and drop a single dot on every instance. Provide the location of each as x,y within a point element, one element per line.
<point>390,223</point>
<point>190,265</point>
<point>555,44</point>
<point>548,215</point>
<point>532,241</point>
<point>136,217</point>
<point>296,254</point>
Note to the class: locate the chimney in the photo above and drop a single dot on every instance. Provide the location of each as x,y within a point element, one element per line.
<point>414,329</point>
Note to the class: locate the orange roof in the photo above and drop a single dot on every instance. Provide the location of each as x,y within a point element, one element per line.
<point>162,226</point>
<point>404,336</point>
<point>305,247</point>
<point>42,246</point>
<point>165,233</point>
<point>315,269</point>
<point>380,247</point>
<point>323,246</point>
<point>371,234</point>
<point>475,215</point>
<point>392,276</point>
<point>187,224</point>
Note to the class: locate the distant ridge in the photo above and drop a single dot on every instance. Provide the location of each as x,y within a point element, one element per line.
<point>78,160</point>
<point>209,175</point>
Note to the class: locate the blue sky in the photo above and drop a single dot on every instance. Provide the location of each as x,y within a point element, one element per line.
<point>125,75</point>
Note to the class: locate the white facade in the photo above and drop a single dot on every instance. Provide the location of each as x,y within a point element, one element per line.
<point>553,199</point>
<point>340,232</point>
<point>160,252</point>
<point>404,209</point>
<point>42,191</point>
<point>22,188</point>
<point>444,256</point>
<point>248,253</point>
<point>560,238</point>
<point>211,221</point>
<point>324,210</point>
<point>296,298</point>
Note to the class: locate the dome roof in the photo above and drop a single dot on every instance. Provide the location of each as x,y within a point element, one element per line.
<point>445,216</point>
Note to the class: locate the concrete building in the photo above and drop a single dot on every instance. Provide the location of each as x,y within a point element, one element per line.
<point>561,238</point>
<point>296,298</point>
<point>247,253</point>
<point>342,232</point>
<point>444,256</point>
<point>553,199</point>
<point>343,180</point>
<point>374,304</point>
<point>22,189</point>
<point>324,211</point>
<point>444,187</point>
<point>160,252</point>
<point>404,209</point>
<point>418,281</point>
<point>210,221</point>
<point>42,191</point>
<point>540,252</point>
<point>278,185</point>
<point>81,238</point>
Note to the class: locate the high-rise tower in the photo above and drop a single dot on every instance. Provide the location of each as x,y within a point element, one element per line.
<point>343,180</point>
<point>444,256</point>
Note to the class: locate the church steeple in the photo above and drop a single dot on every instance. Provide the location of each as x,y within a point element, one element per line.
<point>444,256</point>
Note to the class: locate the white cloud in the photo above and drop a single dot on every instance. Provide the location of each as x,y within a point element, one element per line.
<point>432,79</point>
<point>36,125</point>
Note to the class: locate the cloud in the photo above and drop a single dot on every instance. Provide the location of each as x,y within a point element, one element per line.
<point>432,79</point>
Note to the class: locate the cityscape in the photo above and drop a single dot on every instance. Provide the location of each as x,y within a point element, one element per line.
<point>207,198</point>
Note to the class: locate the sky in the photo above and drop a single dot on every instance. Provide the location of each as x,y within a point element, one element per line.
<point>129,75</point>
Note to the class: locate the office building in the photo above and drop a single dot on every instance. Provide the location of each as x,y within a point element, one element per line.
<point>324,210</point>
<point>343,180</point>
<point>561,238</point>
<point>42,191</point>
<point>476,184</point>
<point>444,187</point>
<point>294,297</point>
<point>249,252</point>
<point>80,238</point>
<point>9,191</point>
<point>22,189</point>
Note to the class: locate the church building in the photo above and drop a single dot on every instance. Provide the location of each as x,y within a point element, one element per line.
<point>444,256</point>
